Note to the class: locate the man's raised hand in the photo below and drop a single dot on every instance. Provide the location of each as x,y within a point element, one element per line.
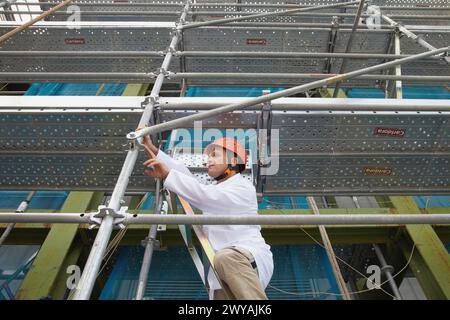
<point>156,169</point>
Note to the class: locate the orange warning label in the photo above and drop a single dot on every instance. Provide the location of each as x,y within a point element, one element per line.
<point>375,171</point>
<point>259,42</point>
<point>391,132</point>
<point>74,41</point>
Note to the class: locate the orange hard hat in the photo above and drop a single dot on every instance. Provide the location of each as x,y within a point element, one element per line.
<point>230,144</point>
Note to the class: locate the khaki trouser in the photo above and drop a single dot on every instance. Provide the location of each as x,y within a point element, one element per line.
<point>239,280</point>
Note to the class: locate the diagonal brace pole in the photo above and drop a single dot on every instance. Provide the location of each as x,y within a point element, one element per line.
<point>185,121</point>
<point>417,39</point>
<point>263,15</point>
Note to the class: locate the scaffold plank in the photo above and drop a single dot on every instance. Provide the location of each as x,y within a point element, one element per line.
<point>143,44</point>
<point>62,143</point>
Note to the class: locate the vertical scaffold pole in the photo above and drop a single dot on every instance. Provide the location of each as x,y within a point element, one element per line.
<point>92,266</point>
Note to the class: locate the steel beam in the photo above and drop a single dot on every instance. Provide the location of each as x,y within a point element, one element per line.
<point>42,277</point>
<point>34,234</point>
<point>431,261</point>
<point>135,89</point>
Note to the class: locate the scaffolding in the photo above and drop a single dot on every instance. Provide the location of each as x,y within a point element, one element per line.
<point>365,146</point>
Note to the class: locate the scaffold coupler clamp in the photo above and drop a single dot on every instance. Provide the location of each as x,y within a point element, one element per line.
<point>335,22</point>
<point>162,71</point>
<point>104,211</point>
<point>154,101</point>
<point>264,132</point>
<point>169,75</point>
<point>156,244</point>
<point>132,142</point>
<point>387,268</point>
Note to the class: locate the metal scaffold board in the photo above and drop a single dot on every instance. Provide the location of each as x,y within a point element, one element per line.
<point>57,148</point>
<point>90,37</point>
<point>133,51</point>
<point>354,153</point>
<point>63,143</point>
<point>362,153</point>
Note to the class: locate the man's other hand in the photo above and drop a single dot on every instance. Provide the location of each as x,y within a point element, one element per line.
<point>156,169</point>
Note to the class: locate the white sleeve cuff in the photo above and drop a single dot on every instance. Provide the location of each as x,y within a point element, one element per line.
<point>162,156</point>
<point>168,181</point>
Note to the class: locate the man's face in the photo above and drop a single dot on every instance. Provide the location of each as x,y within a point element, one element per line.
<point>217,161</point>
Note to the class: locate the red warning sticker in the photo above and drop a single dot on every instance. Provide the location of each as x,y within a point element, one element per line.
<point>258,42</point>
<point>74,41</point>
<point>375,171</point>
<point>391,132</point>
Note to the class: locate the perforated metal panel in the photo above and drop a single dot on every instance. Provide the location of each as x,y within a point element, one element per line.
<point>77,151</point>
<point>363,132</point>
<point>240,39</point>
<point>362,175</point>
<point>238,119</point>
<point>362,153</point>
<point>111,10</point>
<point>321,152</point>
<point>141,37</point>
<point>90,37</point>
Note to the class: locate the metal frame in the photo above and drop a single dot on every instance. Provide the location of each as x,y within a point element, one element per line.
<point>114,215</point>
<point>92,265</point>
<point>93,133</point>
<point>35,61</point>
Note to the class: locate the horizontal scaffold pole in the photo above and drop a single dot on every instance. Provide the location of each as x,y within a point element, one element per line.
<point>287,219</point>
<point>263,15</point>
<point>197,54</point>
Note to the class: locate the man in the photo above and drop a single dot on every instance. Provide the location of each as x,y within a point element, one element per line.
<point>243,260</point>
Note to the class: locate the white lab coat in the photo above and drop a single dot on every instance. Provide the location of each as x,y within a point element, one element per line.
<point>234,196</point>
